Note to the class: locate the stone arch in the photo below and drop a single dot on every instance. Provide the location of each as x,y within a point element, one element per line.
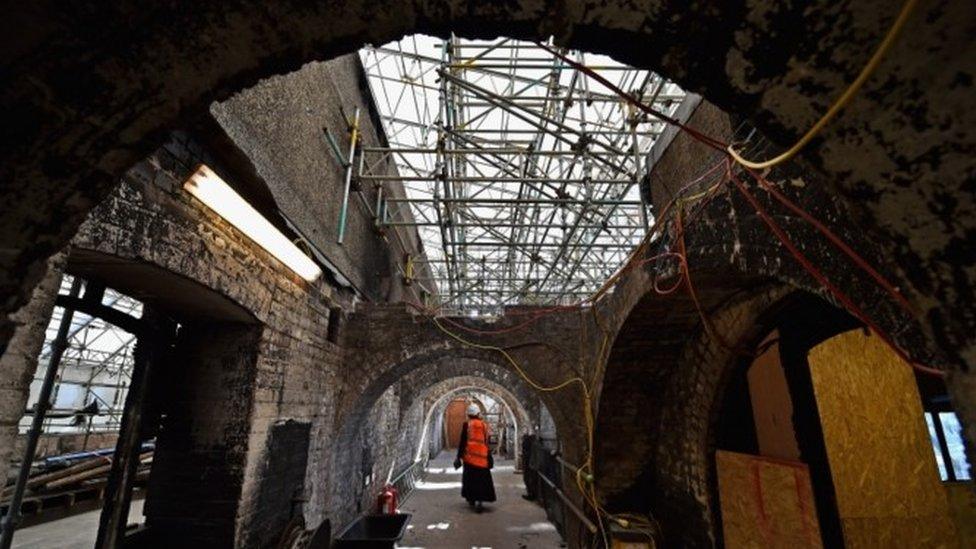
<point>681,370</point>
<point>438,395</point>
<point>174,292</point>
<point>802,320</point>
<point>162,251</point>
<point>422,370</point>
<point>69,150</point>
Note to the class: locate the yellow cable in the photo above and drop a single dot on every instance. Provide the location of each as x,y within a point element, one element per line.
<point>515,364</point>
<point>843,100</point>
<point>585,471</point>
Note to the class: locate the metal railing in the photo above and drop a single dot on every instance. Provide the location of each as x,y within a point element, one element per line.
<point>543,474</point>
<point>407,479</point>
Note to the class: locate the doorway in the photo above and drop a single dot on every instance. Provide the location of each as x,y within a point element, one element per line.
<point>454,417</point>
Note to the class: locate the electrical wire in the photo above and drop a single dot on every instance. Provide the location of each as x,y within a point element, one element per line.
<point>825,282</point>
<point>841,101</point>
<point>585,472</point>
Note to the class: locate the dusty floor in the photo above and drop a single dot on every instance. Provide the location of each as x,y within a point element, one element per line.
<point>441,519</point>
<point>76,532</point>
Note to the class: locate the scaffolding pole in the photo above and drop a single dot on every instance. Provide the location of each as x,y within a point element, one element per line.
<point>12,518</point>
<point>512,166</point>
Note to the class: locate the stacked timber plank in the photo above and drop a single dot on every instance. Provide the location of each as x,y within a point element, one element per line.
<point>61,482</point>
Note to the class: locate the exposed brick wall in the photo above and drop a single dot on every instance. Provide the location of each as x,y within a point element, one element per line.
<point>199,465</point>
<point>19,362</point>
<point>379,384</point>
<point>371,389</point>
<point>411,384</point>
<point>897,158</point>
<point>664,374</point>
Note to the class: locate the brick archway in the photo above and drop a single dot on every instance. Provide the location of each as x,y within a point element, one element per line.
<point>659,393</point>
<point>427,367</point>
<point>439,396</point>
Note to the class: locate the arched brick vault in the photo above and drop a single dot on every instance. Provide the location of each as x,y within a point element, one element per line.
<point>437,397</point>
<point>663,374</point>
<point>92,87</point>
<point>414,378</point>
<point>517,395</point>
<point>660,389</point>
<point>385,342</point>
<point>522,408</point>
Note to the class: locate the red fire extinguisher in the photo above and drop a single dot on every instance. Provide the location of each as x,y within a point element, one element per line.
<point>387,502</point>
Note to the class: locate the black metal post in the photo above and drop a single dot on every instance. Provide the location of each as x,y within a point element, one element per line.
<point>12,518</point>
<point>125,463</point>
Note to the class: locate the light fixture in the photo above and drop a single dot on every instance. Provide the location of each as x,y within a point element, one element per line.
<point>217,195</point>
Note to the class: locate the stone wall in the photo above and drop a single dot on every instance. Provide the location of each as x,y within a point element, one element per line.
<point>18,363</point>
<point>89,105</point>
<point>279,125</point>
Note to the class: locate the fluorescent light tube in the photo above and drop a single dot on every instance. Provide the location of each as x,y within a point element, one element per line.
<point>217,195</point>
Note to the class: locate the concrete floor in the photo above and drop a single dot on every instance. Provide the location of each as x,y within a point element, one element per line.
<point>75,532</point>
<point>441,519</point>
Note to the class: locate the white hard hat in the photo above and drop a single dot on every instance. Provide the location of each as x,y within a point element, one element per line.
<point>473,410</point>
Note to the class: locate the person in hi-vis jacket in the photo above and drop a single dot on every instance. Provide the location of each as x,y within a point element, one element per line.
<point>475,454</point>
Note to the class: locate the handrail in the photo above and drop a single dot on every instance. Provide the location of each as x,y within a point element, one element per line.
<point>572,507</point>
<point>403,473</point>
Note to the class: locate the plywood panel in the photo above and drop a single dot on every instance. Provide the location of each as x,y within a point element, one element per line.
<point>772,408</point>
<point>962,504</point>
<point>884,471</point>
<point>766,503</point>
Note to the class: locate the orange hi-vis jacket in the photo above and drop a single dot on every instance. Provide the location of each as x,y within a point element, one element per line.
<point>476,449</point>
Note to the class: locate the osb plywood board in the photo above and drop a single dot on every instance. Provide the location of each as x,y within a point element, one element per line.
<point>772,408</point>
<point>766,503</point>
<point>962,504</point>
<point>900,532</point>
<point>884,471</point>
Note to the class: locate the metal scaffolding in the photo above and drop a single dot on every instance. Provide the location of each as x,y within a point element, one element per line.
<point>94,372</point>
<point>520,172</point>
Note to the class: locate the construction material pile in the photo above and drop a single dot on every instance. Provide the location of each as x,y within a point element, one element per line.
<point>64,480</point>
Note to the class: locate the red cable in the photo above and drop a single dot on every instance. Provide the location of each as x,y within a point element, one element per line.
<point>840,295</point>
<point>855,257</point>
<point>712,142</point>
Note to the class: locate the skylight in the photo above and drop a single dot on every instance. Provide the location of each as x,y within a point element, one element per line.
<point>520,171</point>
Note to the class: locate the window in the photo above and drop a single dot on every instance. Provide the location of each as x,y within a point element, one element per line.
<point>945,432</point>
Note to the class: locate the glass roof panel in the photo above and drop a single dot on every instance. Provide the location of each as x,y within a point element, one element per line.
<point>520,171</point>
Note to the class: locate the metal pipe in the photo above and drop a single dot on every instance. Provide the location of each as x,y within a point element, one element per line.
<point>485,150</point>
<point>477,179</point>
<point>482,201</point>
<point>348,183</point>
<point>335,148</point>
<point>513,109</point>
<point>596,245</point>
<point>501,225</point>
<point>12,518</point>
